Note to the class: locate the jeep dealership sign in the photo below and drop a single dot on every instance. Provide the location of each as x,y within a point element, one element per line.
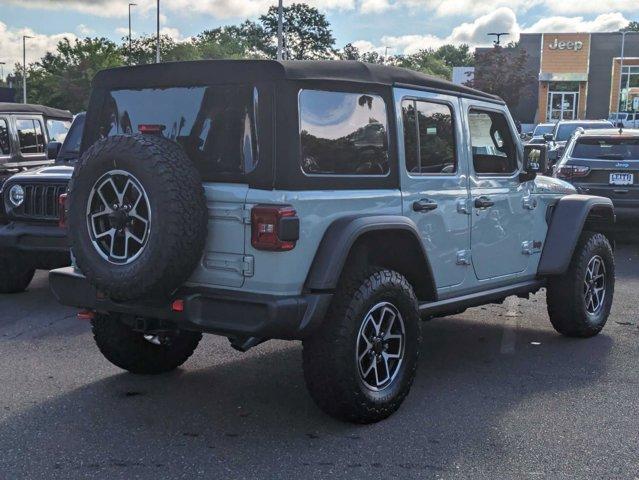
<point>557,45</point>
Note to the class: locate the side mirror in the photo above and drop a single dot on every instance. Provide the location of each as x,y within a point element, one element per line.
<point>535,162</point>
<point>53,148</point>
<point>548,137</point>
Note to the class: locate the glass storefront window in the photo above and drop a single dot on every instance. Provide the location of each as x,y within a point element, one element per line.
<point>629,87</point>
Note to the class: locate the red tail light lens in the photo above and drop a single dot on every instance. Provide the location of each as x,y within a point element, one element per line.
<point>274,227</point>
<point>151,129</point>
<point>567,172</point>
<point>62,211</point>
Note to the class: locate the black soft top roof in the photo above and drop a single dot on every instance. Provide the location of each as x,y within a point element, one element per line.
<point>205,72</point>
<point>35,109</point>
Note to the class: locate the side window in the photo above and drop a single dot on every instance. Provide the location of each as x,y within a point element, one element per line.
<point>58,130</point>
<point>429,137</point>
<point>494,151</point>
<point>5,146</point>
<point>343,133</point>
<point>30,136</point>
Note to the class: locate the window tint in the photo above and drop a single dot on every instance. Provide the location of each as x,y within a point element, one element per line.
<point>566,130</point>
<point>215,125</point>
<point>58,130</point>
<point>432,124</point>
<point>492,143</point>
<point>30,136</point>
<point>607,148</point>
<point>5,146</point>
<point>343,133</point>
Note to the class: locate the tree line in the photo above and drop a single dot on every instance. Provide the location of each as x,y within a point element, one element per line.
<point>62,78</point>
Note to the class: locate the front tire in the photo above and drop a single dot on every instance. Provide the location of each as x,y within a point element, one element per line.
<point>138,353</point>
<point>15,273</point>
<point>579,301</point>
<point>361,365</point>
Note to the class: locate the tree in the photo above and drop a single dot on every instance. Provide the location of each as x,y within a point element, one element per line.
<point>631,27</point>
<point>63,78</point>
<point>425,61</point>
<point>503,72</point>
<point>143,50</point>
<point>455,56</point>
<point>307,32</point>
<point>247,40</point>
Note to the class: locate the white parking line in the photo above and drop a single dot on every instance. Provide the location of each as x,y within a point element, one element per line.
<point>509,334</point>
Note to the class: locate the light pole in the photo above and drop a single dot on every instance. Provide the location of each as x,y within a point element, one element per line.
<point>157,47</point>
<point>24,67</point>
<point>280,40</point>
<point>130,49</point>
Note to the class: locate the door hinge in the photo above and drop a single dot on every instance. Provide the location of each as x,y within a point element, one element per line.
<point>531,246</point>
<point>463,257</point>
<point>529,203</point>
<point>463,206</point>
<point>241,264</point>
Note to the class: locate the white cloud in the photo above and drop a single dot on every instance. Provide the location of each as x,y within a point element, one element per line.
<point>83,30</point>
<point>591,6</point>
<point>11,44</point>
<point>476,32</point>
<point>375,6</point>
<point>606,22</point>
<point>408,44</point>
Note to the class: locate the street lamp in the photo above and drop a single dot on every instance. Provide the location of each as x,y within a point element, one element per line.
<point>157,47</point>
<point>130,49</point>
<point>498,36</point>
<point>24,67</point>
<point>280,40</point>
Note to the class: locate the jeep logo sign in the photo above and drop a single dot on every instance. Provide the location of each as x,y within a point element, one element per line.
<point>575,46</point>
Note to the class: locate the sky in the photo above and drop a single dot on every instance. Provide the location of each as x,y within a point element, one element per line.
<point>404,26</point>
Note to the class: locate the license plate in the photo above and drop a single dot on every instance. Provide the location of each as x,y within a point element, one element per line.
<point>621,178</point>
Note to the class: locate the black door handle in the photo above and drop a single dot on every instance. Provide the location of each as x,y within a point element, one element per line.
<point>424,205</point>
<point>483,202</point>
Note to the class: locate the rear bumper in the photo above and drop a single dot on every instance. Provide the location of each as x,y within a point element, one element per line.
<point>223,312</point>
<point>33,238</point>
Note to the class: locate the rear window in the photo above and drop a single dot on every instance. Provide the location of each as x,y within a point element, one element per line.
<point>607,148</point>
<point>343,133</point>
<point>542,130</point>
<point>565,131</point>
<point>214,124</point>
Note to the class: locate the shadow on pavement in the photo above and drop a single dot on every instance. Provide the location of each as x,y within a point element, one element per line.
<point>252,418</point>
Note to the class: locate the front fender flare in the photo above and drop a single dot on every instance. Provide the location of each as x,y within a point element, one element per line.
<point>568,219</point>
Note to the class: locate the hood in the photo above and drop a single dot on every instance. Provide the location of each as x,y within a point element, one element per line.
<point>551,185</point>
<point>48,173</point>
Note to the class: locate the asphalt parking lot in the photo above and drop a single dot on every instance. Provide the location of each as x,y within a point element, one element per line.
<point>498,395</point>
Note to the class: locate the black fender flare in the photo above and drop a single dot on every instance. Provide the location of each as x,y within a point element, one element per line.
<point>340,237</point>
<point>566,223</point>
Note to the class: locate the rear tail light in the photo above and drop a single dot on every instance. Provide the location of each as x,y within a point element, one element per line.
<point>274,227</point>
<point>567,172</point>
<point>62,211</point>
<point>151,129</point>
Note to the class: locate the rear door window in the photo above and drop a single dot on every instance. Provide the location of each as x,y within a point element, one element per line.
<point>429,138</point>
<point>343,133</point>
<point>5,145</point>
<point>30,136</point>
<point>214,124</point>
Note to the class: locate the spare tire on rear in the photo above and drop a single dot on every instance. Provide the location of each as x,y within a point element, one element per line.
<point>137,216</point>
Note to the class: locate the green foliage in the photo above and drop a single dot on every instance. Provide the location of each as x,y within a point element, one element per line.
<point>425,61</point>
<point>503,72</point>
<point>455,56</point>
<point>307,32</point>
<point>631,27</point>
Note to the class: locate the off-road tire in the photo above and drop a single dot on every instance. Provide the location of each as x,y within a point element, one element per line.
<point>15,273</point>
<point>329,356</point>
<point>179,216</point>
<point>129,350</point>
<point>565,293</point>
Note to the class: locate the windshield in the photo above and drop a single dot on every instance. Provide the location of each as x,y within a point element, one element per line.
<point>71,146</point>
<point>607,148</point>
<point>566,130</point>
<point>215,125</point>
<point>542,130</point>
<point>58,129</point>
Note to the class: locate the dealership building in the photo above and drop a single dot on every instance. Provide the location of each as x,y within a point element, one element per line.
<point>577,76</point>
